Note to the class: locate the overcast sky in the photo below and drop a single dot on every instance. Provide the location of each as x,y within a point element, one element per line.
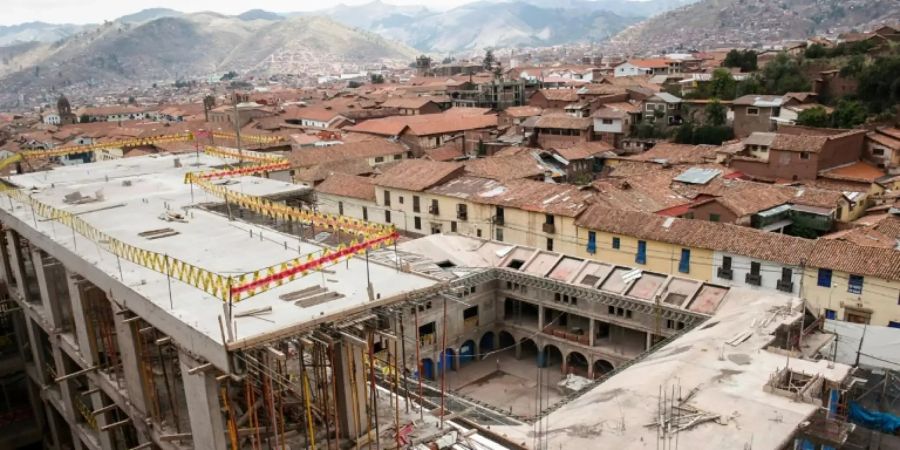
<point>95,11</point>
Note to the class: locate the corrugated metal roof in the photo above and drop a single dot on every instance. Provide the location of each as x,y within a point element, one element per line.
<point>698,175</point>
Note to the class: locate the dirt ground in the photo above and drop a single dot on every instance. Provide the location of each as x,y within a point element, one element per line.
<point>507,383</point>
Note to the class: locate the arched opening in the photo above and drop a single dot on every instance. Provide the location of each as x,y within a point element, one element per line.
<point>552,356</point>
<point>602,367</point>
<point>466,352</point>
<point>446,360</point>
<point>529,350</point>
<point>577,363</point>
<point>428,368</point>
<point>506,340</point>
<point>486,343</point>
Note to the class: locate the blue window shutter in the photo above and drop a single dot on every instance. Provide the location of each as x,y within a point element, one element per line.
<point>641,257</point>
<point>616,243</point>
<point>830,314</point>
<point>855,284</point>
<point>893,324</point>
<point>592,242</point>
<point>684,266</point>
<point>824,278</point>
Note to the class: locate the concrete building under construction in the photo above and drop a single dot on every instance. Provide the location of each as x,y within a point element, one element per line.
<point>151,313</point>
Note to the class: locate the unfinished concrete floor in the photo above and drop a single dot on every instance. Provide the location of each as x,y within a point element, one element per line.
<point>512,388</point>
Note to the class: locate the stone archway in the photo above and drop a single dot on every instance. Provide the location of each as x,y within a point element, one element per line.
<point>552,356</point>
<point>577,364</point>
<point>602,367</point>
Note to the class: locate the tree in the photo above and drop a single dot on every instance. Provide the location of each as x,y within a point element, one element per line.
<point>879,84</point>
<point>814,51</point>
<point>489,60</point>
<point>230,75</point>
<point>722,85</point>
<point>376,78</point>
<point>848,114</point>
<point>783,75</point>
<point>352,84</point>
<point>814,117</point>
<point>131,100</point>
<point>854,66</point>
<point>715,113</point>
<point>743,59</point>
<point>84,118</point>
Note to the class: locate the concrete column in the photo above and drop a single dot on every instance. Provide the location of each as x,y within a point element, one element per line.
<point>66,392</point>
<point>540,318</point>
<point>5,267</point>
<point>350,377</point>
<point>592,331</point>
<point>518,350</point>
<point>649,341</point>
<point>17,263</point>
<point>127,337</point>
<point>204,409</point>
<point>105,437</point>
<point>78,288</point>
<point>47,275</point>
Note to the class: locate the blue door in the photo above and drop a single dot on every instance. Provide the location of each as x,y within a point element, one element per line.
<point>467,352</point>
<point>428,368</point>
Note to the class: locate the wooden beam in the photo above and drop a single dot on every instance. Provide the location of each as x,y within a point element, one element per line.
<point>74,374</point>
<point>115,424</point>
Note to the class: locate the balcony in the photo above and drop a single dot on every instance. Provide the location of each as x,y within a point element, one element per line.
<point>462,215</point>
<point>498,220</point>
<point>578,336</point>
<point>549,228</point>
<point>785,286</point>
<point>753,279</point>
<point>592,247</point>
<point>724,273</point>
<point>433,209</point>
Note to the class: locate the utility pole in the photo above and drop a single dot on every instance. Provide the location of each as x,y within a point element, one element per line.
<point>861,339</point>
<point>237,128</point>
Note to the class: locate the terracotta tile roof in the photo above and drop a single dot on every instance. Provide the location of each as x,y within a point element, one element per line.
<point>306,157</point>
<point>426,125</point>
<point>316,113</point>
<point>515,150</point>
<point>678,153</point>
<point>806,142</point>
<point>558,199</point>
<point>432,124</point>
<point>584,150</point>
<point>864,236</point>
<point>418,174</point>
<point>652,63</point>
<point>447,152</point>
<point>521,165</point>
<point>748,197</point>
<point>388,126</point>
<point>563,122</point>
<point>855,259</point>
<point>609,113</point>
<point>883,137</point>
<point>407,102</point>
<point>345,185</point>
<point>560,95</point>
<point>522,111</point>
<point>858,171</point>
<point>635,195</point>
<point>698,233</point>
<point>319,172</point>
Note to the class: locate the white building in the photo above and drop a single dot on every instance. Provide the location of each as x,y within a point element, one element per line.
<point>52,119</point>
<point>741,271</point>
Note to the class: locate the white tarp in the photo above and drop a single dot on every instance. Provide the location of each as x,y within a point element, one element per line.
<point>880,347</point>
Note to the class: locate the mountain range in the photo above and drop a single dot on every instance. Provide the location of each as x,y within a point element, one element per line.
<point>477,25</point>
<point>728,23</point>
<point>169,47</point>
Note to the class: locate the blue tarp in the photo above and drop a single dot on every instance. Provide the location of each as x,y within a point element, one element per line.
<point>884,422</point>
